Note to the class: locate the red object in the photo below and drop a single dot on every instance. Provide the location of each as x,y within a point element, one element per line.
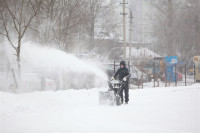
<point>180,76</point>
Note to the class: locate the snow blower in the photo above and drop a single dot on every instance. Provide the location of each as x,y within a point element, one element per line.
<point>112,96</point>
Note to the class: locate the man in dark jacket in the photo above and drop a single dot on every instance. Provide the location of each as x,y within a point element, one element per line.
<point>124,75</point>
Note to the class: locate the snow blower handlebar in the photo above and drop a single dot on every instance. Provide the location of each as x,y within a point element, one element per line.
<point>114,84</point>
<point>117,81</point>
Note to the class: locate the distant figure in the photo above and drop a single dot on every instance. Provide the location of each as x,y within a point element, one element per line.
<point>124,75</point>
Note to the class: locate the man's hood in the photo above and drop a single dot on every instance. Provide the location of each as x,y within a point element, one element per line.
<point>123,63</point>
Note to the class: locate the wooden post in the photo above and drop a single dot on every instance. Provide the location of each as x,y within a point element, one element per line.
<point>154,74</point>
<point>129,65</point>
<point>138,81</point>
<point>142,75</point>
<point>165,76</point>
<point>114,66</point>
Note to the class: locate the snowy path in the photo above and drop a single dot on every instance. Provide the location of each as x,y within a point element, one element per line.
<point>151,110</point>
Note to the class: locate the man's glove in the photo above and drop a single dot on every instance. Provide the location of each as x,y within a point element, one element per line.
<point>112,78</point>
<point>124,79</point>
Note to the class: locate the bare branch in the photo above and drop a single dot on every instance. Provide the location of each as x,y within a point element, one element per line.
<point>156,5</point>
<point>30,19</point>
<point>22,7</point>
<point>6,30</point>
<point>12,16</point>
<point>3,34</point>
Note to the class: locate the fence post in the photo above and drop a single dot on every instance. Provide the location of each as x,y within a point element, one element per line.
<point>138,79</point>
<point>165,76</point>
<point>114,66</point>
<point>142,75</point>
<point>154,73</point>
<point>175,76</point>
<point>194,74</point>
<point>185,76</point>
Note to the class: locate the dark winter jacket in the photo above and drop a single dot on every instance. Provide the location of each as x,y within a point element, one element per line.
<point>122,72</point>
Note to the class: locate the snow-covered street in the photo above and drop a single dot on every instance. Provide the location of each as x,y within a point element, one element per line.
<point>59,58</point>
<point>150,110</point>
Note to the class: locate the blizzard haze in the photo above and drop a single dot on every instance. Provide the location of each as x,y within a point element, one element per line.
<point>60,69</point>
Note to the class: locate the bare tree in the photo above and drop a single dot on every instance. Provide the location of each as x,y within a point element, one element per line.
<point>62,21</point>
<point>165,15</point>
<point>97,13</point>
<point>66,21</point>
<point>175,26</point>
<point>16,16</point>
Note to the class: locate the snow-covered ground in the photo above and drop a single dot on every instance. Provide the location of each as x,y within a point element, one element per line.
<point>150,110</point>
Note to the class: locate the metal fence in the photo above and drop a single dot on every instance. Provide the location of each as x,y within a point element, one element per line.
<point>161,76</point>
<point>142,76</point>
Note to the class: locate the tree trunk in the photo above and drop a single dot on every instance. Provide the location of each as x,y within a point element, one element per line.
<point>19,61</point>
<point>91,36</point>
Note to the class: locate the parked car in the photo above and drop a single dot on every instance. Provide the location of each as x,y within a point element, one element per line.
<point>137,76</point>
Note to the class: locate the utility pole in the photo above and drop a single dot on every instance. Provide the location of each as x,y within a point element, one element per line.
<point>124,27</point>
<point>130,36</point>
<point>197,33</point>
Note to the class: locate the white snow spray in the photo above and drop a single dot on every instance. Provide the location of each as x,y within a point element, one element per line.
<point>54,69</point>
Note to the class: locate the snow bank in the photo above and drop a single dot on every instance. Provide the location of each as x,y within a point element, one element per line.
<point>150,110</point>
